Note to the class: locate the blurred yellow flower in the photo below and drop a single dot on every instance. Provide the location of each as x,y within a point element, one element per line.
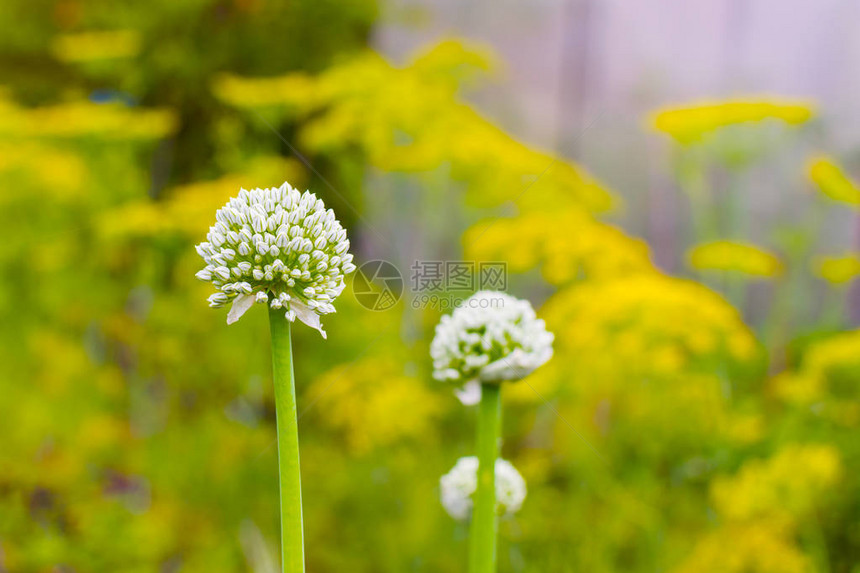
<point>761,506</point>
<point>111,121</point>
<point>835,357</point>
<point>91,46</point>
<point>734,256</point>
<point>647,321</point>
<point>369,104</point>
<point>188,209</point>
<point>757,547</point>
<point>837,270</point>
<point>568,245</point>
<point>788,485</point>
<point>690,123</point>
<point>828,375</point>
<point>831,180</point>
<point>796,387</point>
<point>371,403</point>
<point>454,61</point>
<point>745,428</point>
<point>63,181</point>
<point>292,90</point>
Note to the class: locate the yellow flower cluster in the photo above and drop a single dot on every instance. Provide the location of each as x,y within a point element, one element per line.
<point>381,109</point>
<point>96,46</point>
<point>453,62</point>
<point>654,343</point>
<point>293,90</point>
<point>832,181</point>
<point>757,547</point>
<point>761,508</point>
<point>690,124</point>
<point>734,256</point>
<point>188,208</point>
<point>567,246</point>
<point>787,485</point>
<point>838,270</point>
<point>94,435</point>
<point>109,121</point>
<point>828,375</point>
<point>651,321</point>
<point>64,180</point>
<point>360,400</point>
<point>835,356</point>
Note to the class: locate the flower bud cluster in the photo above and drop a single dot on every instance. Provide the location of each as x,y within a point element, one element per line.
<point>491,337</point>
<point>459,485</point>
<point>276,246</point>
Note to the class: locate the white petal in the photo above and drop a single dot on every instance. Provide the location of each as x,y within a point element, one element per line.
<point>515,366</point>
<point>308,316</point>
<point>470,393</point>
<point>241,304</point>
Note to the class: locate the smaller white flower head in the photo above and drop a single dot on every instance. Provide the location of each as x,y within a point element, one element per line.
<point>491,337</point>
<point>458,485</point>
<point>278,247</point>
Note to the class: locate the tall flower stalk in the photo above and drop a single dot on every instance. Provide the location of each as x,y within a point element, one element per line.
<point>484,526</point>
<point>490,339</point>
<point>290,479</point>
<point>281,248</point>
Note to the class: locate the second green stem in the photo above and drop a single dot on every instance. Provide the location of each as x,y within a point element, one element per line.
<point>482,553</point>
<point>292,536</point>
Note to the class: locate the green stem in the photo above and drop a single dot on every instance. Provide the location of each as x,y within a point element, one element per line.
<point>482,556</point>
<point>292,544</point>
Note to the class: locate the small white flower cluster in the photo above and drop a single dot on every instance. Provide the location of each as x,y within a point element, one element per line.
<point>491,337</point>
<point>459,484</point>
<point>277,246</point>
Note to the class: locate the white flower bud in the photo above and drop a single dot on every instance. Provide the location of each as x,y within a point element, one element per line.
<point>459,485</point>
<point>218,299</point>
<point>489,324</point>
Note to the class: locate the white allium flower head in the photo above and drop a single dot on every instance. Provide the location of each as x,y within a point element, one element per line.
<point>279,247</point>
<point>491,337</point>
<point>459,485</point>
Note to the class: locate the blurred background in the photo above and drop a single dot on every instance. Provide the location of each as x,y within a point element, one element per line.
<point>671,183</point>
